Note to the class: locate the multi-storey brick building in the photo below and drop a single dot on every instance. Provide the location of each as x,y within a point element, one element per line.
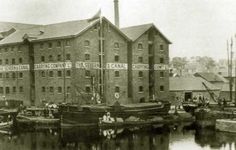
<point>72,61</point>
<point>149,59</point>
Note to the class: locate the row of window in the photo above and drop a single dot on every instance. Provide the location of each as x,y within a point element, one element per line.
<point>59,58</point>
<point>59,73</point>
<point>12,75</point>
<point>140,46</point>
<point>140,60</point>
<point>10,49</point>
<point>51,89</point>
<point>13,61</point>
<point>141,89</point>
<point>8,90</point>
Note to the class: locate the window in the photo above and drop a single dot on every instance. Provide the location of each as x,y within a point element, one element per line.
<point>21,89</point>
<point>67,43</point>
<point>13,61</point>
<point>140,59</point>
<point>161,47</point>
<point>117,58</point>
<point>68,73</point>
<point>68,89</point>
<point>58,43</point>
<point>86,43</point>
<point>13,75</point>
<point>0,50</point>
<point>87,73</point>
<point>7,90</point>
<point>20,61</point>
<point>87,57</point>
<point>140,88</point>
<point>12,49</point>
<point>0,62</point>
<point>59,73</point>
<point>162,74</point>
<point>67,56</point>
<point>140,46</point>
<point>6,61</point>
<point>21,75</point>
<point>1,90</point>
<point>41,45</point>
<point>6,49</point>
<point>7,75</point>
<point>58,57</point>
<point>50,45</point>
<point>43,89</point>
<point>116,45</point>
<point>50,73</point>
<point>117,89</point>
<point>42,59</point>
<point>59,89</point>
<point>162,88</point>
<point>51,89</point>
<point>161,60</point>
<point>117,73</point>
<point>43,74</point>
<point>50,58</point>
<point>87,89</point>
<point>140,74</point>
<point>14,89</point>
<point>0,75</point>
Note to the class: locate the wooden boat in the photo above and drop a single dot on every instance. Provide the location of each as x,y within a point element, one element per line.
<point>74,114</point>
<point>226,125</point>
<point>6,118</point>
<point>190,106</point>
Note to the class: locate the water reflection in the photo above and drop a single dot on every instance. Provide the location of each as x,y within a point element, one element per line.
<point>90,138</point>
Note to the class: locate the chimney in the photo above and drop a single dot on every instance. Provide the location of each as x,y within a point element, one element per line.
<point>116,10</point>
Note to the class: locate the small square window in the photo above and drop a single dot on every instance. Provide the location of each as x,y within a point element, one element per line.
<point>50,73</point>
<point>12,49</point>
<point>68,57</point>
<point>6,61</point>
<point>1,75</point>
<point>87,73</point>
<point>67,43</point>
<point>1,90</point>
<point>140,59</point>
<point>117,89</point>
<point>59,73</point>
<point>87,57</point>
<point>42,59</point>
<point>21,89</point>
<point>0,61</point>
<point>21,75</point>
<point>68,73</point>
<point>140,88</point>
<point>87,89</point>
<point>116,45</point>
<point>50,58</point>
<point>140,46</point>
<point>41,45</point>
<point>162,60</point>
<point>117,74</point>
<point>14,89</point>
<point>13,75</point>
<point>162,74</point>
<point>43,89</point>
<point>86,43</point>
<point>140,74</point>
<point>117,58</point>
<point>20,60</point>
<point>58,57</point>
<point>59,89</point>
<point>51,89</point>
<point>7,90</point>
<point>50,45</point>
<point>7,75</point>
<point>6,49</point>
<point>162,88</point>
<point>161,47</point>
<point>58,43</point>
<point>13,61</point>
<point>68,89</point>
<point>43,74</point>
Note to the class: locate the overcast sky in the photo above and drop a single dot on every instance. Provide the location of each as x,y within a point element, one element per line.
<point>195,27</point>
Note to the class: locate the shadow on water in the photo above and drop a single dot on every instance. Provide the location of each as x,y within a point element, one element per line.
<point>132,138</point>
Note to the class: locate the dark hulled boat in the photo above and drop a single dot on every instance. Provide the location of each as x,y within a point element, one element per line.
<point>83,114</point>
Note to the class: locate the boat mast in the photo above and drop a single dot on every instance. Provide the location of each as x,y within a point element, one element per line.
<point>64,72</point>
<point>101,59</point>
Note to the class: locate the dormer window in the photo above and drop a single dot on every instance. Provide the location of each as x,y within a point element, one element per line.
<point>140,46</point>
<point>86,43</point>
<point>161,47</point>
<point>116,45</point>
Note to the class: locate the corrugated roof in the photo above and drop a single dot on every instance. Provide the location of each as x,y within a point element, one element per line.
<point>57,30</point>
<point>134,32</point>
<point>190,84</point>
<point>211,77</point>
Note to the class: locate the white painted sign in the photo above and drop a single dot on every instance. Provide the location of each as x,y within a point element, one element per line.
<point>117,66</point>
<point>140,67</point>
<point>161,67</point>
<point>87,65</point>
<point>9,68</point>
<point>48,66</point>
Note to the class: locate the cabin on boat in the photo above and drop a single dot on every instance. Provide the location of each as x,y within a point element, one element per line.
<point>189,88</point>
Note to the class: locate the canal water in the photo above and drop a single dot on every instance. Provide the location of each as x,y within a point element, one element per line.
<point>175,137</point>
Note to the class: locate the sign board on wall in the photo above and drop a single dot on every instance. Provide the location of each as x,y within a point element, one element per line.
<point>9,68</point>
<point>48,66</point>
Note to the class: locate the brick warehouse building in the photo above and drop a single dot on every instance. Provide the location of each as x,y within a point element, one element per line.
<point>62,63</point>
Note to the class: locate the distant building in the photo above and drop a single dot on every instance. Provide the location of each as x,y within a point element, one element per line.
<point>186,88</point>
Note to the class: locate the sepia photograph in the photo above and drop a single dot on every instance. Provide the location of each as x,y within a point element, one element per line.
<point>117,75</point>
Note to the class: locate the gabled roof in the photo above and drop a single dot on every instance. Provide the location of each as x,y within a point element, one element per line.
<point>210,76</point>
<point>190,84</point>
<point>134,32</point>
<point>6,26</point>
<point>55,31</point>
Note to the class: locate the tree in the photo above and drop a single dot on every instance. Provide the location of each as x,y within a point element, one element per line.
<point>207,62</point>
<point>179,63</point>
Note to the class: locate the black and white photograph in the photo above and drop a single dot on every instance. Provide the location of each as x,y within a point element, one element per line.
<point>117,75</point>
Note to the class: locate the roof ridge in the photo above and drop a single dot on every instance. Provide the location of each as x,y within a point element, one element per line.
<point>138,25</point>
<point>65,22</point>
